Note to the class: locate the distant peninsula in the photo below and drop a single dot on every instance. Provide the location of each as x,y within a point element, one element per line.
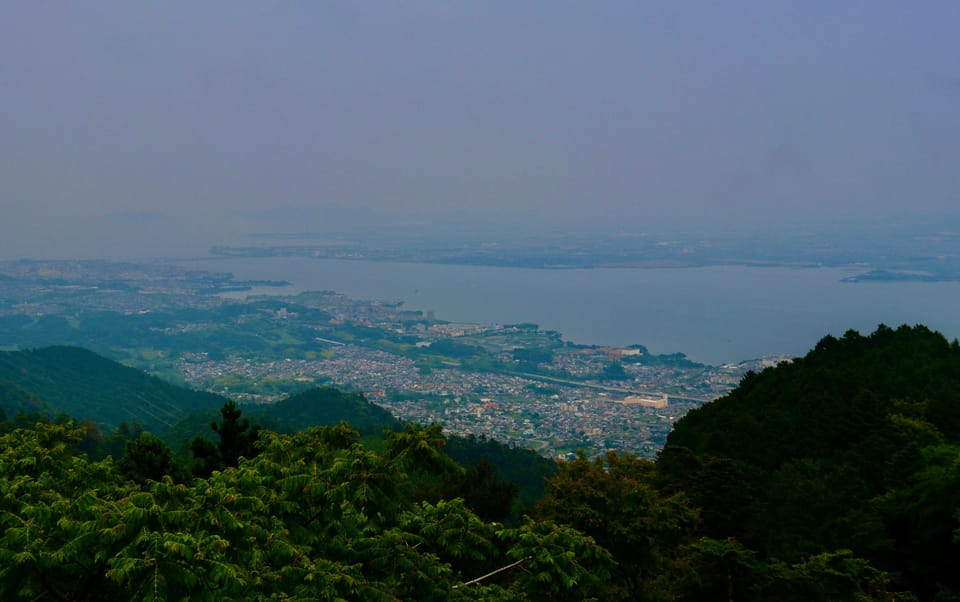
<point>901,276</point>
<point>886,255</point>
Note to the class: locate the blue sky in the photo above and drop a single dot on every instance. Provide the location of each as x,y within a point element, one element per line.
<point>137,129</point>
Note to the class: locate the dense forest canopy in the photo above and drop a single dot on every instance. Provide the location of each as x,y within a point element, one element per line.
<point>314,516</point>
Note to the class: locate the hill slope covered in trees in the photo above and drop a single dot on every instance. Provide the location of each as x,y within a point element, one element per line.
<point>854,446</point>
<point>78,382</point>
<point>14,400</point>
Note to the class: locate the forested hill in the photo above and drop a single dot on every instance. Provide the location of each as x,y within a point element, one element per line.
<point>80,383</point>
<point>322,406</point>
<point>328,406</point>
<point>15,399</point>
<point>854,446</point>
<point>838,397</point>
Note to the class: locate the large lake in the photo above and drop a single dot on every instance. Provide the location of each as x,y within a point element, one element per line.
<point>713,314</point>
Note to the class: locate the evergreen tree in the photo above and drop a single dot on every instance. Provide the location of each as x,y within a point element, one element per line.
<point>236,439</point>
<point>237,436</point>
<point>148,458</point>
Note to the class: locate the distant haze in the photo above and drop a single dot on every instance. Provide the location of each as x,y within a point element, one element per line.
<point>132,129</point>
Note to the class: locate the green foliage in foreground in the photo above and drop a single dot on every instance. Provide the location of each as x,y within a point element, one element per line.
<point>315,516</point>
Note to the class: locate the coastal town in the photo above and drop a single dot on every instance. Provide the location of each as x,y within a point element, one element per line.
<point>515,383</point>
<point>523,410</point>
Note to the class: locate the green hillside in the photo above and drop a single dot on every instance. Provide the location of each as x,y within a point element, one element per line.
<point>81,383</point>
<point>326,406</point>
<point>855,446</point>
<point>15,399</point>
<point>837,397</point>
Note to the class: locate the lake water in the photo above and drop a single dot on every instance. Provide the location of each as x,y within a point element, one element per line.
<point>713,314</point>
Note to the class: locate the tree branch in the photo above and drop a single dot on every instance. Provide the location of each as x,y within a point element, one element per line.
<point>492,573</point>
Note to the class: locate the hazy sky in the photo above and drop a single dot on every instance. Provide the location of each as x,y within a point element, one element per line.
<point>132,128</point>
